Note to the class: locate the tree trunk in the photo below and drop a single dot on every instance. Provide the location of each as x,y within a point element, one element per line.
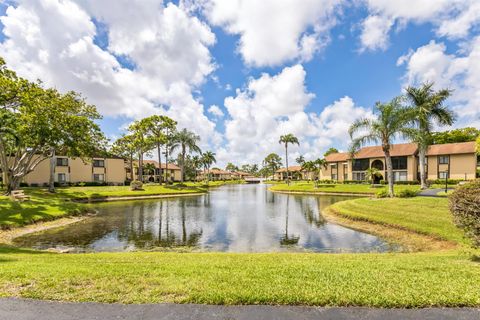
<point>159,164</point>
<point>182,167</point>
<point>51,184</point>
<point>286,162</point>
<point>388,159</point>
<point>166,164</point>
<point>421,160</point>
<point>131,167</point>
<point>140,166</point>
<point>12,183</point>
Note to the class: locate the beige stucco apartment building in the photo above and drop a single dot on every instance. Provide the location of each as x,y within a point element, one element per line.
<point>75,170</point>
<point>173,171</point>
<point>453,161</point>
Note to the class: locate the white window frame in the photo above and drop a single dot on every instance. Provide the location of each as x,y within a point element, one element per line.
<point>99,175</point>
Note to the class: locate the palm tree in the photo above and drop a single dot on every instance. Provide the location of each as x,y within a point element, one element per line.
<point>149,168</point>
<point>309,166</point>
<point>300,160</point>
<point>208,158</point>
<point>286,139</point>
<point>371,174</point>
<point>184,140</point>
<point>320,163</point>
<point>197,163</point>
<point>427,109</point>
<point>392,119</point>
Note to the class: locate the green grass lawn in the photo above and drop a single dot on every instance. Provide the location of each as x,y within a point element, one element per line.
<point>304,186</point>
<point>425,215</point>
<point>448,278</point>
<point>376,280</point>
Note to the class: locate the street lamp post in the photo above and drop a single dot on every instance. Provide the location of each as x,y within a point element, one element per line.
<point>446,182</point>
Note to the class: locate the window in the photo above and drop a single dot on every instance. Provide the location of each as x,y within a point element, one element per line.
<point>400,176</point>
<point>360,164</point>
<point>399,163</point>
<point>333,166</point>
<point>98,177</point>
<point>358,176</point>
<point>99,163</point>
<point>62,162</point>
<point>345,176</point>
<point>443,175</point>
<point>61,177</point>
<point>478,161</point>
<point>443,159</point>
<point>334,176</point>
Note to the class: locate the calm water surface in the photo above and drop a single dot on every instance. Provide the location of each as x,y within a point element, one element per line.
<point>235,218</point>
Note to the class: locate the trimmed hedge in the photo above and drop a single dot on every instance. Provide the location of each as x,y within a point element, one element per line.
<point>465,207</point>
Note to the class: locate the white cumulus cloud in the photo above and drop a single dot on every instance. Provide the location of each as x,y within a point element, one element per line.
<point>273,32</point>
<point>78,45</point>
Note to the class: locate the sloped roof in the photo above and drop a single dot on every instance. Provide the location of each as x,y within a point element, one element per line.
<point>218,171</point>
<point>451,148</point>
<point>337,157</point>
<point>171,166</point>
<point>290,168</point>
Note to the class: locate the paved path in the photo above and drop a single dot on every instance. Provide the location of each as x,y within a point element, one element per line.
<point>431,192</point>
<point>20,309</point>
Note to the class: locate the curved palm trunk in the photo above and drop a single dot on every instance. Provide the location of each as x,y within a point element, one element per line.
<point>51,183</point>
<point>421,160</point>
<point>388,159</point>
<point>286,162</point>
<point>159,151</point>
<point>131,166</point>
<point>166,164</point>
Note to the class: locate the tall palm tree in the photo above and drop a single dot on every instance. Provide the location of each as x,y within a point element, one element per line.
<point>197,163</point>
<point>309,166</point>
<point>320,164</point>
<point>391,120</point>
<point>208,158</point>
<point>184,140</point>
<point>300,160</point>
<point>286,139</point>
<point>427,110</point>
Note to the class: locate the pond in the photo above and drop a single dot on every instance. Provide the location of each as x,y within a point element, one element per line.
<point>232,218</point>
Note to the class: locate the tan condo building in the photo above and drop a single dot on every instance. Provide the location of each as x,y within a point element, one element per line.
<point>452,161</point>
<point>173,171</point>
<point>75,170</point>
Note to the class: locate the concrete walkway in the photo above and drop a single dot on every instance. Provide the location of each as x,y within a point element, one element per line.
<point>21,309</point>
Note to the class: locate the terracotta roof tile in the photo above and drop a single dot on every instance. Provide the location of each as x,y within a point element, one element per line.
<point>337,157</point>
<point>290,168</point>
<point>451,148</point>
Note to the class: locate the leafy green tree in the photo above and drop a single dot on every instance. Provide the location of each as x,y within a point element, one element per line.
<point>196,164</point>
<point>427,109</point>
<point>309,166</point>
<point>231,167</point>
<point>272,163</point>
<point>149,168</point>
<point>185,141</point>
<point>455,136</point>
<point>124,147</point>
<point>330,151</point>
<point>286,140</point>
<point>160,129</point>
<point>392,119</point>
<point>208,158</point>
<point>38,122</point>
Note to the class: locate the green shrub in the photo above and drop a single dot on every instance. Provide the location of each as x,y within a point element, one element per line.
<point>465,207</point>
<point>136,185</point>
<point>407,193</point>
<point>381,194</point>
<point>442,181</point>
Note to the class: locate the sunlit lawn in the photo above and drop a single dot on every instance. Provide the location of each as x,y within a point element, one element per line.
<point>305,186</point>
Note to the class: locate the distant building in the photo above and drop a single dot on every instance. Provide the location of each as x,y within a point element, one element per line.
<point>173,171</point>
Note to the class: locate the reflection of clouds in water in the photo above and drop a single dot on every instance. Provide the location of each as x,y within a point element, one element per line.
<point>237,218</point>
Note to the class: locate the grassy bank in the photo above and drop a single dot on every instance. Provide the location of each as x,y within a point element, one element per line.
<point>309,187</point>
<point>376,280</point>
<point>423,215</point>
<point>45,206</point>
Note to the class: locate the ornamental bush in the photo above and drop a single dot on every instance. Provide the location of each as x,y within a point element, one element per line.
<point>136,185</point>
<point>407,193</point>
<point>465,207</point>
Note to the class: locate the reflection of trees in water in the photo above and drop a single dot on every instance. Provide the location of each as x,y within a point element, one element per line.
<point>286,239</point>
<point>144,237</point>
<point>311,216</point>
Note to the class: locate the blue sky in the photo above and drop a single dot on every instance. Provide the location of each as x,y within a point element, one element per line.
<point>136,58</point>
